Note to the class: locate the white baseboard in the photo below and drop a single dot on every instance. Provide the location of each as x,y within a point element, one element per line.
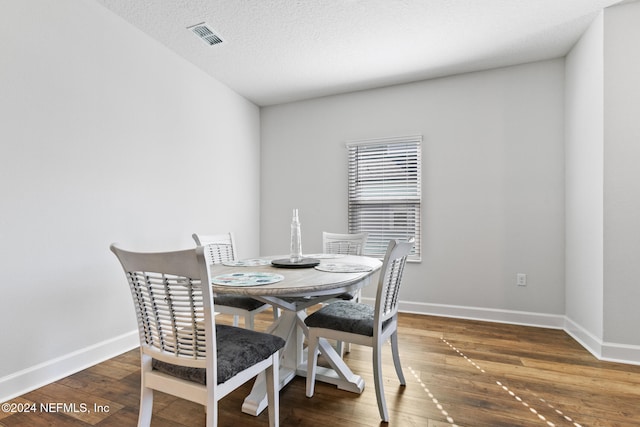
<point>621,353</point>
<point>605,351</point>
<point>584,338</point>
<point>34,377</point>
<point>485,314</point>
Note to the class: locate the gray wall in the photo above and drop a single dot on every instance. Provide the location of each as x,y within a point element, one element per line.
<point>493,184</point>
<point>603,185</point>
<point>584,186</point>
<point>622,174</point>
<point>105,136</point>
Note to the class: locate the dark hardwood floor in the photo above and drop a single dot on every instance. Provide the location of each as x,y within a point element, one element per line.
<point>458,372</point>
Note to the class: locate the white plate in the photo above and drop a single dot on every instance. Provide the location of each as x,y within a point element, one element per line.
<point>246,279</point>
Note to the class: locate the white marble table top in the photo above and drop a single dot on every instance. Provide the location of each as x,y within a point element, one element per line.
<point>299,281</point>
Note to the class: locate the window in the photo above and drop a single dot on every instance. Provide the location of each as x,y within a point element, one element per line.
<point>385,191</point>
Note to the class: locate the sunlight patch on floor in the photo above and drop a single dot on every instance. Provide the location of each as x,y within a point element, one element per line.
<point>559,412</point>
<point>513,394</point>
<point>433,398</point>
<point>462,355</point>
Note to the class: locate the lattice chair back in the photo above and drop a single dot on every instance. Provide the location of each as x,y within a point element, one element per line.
<point>172,307</point>
<point>346,244</point>
<point>221,247</point>
<point>390,280</point>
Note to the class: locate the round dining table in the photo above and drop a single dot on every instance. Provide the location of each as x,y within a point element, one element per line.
<point>293,289</point>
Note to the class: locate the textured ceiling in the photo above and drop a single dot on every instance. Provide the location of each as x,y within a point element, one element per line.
<point>276,51</point>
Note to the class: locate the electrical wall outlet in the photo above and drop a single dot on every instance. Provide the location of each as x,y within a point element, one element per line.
<point>521,279</point>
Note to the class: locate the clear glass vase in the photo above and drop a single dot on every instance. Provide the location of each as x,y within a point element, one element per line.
<point>296,239</point>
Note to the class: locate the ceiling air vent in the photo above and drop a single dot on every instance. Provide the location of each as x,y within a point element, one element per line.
<point>205,33</point>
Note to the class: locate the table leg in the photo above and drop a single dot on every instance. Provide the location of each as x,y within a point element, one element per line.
<point>284,327</point>
<point>290,326</point>
<point>339,374</point>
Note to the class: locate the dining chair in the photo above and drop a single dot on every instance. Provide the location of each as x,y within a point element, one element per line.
<point>341,243</point>
<point>182,351</point>
<point>222,248</point>
<point>363,324</point>
<point>344,244</point>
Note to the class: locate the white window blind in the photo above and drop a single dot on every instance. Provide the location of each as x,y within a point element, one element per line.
<point>385,191</point>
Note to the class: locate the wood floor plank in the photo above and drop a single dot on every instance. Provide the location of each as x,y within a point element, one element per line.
<point>458,373</point>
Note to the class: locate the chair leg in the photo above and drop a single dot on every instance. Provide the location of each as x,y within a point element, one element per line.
<point>235,319</point>
<point>273,394</point>
<point>312,362</point>
<point>211,414</point>
<point>357,298</point>
<point>396,357</point>
<point>146,394</point>
<point>343,348</point>
<point>146,407</point>
<point>248,321</point>
<point>377,377</point>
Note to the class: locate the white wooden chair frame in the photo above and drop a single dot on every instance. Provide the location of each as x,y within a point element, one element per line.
<point>222,248</point>
<point>183,346</point>
<point>385,310</point>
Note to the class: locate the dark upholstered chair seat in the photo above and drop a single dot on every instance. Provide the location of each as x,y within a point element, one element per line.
<point>238,301</point>
<point>347,296</point>
<point>356,318</point>
<point>237,349</point>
